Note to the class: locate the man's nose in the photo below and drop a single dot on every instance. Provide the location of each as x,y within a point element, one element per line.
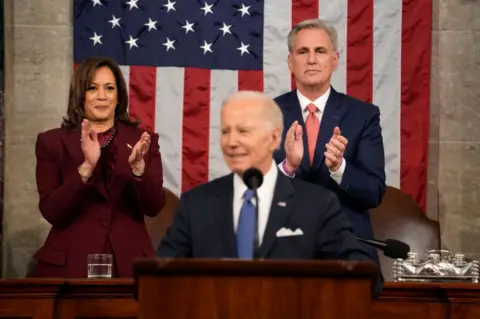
<point>232,139</point>
<point>312,58</point>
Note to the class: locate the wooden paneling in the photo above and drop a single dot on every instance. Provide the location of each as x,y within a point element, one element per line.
<point>69,299</point>
<point>56,298</point>
<point>258,289</point>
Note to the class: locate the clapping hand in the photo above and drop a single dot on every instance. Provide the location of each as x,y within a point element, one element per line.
<point>135,159</point>
<point>335,149</point>
<point>90,149</point>
<point>293,147</point>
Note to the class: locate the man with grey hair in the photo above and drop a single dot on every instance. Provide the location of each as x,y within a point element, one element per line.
<point>331,139</point>
<point>296,219</point>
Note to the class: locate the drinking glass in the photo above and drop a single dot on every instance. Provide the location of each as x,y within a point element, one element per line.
<point>99,265</point>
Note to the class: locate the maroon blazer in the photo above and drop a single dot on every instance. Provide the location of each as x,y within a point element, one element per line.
<point>85,216</point>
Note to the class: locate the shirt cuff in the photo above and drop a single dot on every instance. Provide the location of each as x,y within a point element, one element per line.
<point>282,168</point>
<point>338,174</point>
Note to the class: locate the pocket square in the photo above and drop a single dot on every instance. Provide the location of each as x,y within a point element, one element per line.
<point>285,232</point>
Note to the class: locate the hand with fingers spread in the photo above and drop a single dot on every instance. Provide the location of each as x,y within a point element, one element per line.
<point>90,149</point>
<point>293,147</point>
<point>135,159</point>
<point>335,149</point>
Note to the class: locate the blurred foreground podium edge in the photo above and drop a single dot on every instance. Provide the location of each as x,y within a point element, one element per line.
<point>231,288</point>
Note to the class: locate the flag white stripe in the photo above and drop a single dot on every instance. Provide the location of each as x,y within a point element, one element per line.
<point>387,81</point>
<point>277,24</point>
<point>168,124</point>
<point>334,12</point>
<point>222,84</point>
<point>126,75</point>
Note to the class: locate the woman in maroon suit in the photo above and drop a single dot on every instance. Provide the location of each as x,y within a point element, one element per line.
<point>97,176</point>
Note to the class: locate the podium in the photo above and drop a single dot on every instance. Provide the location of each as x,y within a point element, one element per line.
<point>230,289</point>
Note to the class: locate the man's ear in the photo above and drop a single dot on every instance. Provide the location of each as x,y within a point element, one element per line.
<point>336,61</point>
<point>290,62</point>
<point>276,139</point>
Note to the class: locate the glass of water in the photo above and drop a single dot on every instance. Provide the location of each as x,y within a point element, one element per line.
<point>100,265</point>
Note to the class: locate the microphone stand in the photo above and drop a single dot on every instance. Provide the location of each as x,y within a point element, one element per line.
<point>256,239</point>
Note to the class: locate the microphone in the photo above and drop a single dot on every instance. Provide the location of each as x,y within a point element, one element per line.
<point>253,178</point>
<point>391,248</point>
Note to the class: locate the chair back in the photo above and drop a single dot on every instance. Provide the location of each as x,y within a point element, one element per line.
<point>400,217</point>
<point>157,226</point>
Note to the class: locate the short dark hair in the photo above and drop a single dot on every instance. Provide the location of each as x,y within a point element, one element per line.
<point>81,81</point>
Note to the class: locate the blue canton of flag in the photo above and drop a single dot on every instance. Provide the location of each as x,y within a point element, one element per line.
<point>221,34</point>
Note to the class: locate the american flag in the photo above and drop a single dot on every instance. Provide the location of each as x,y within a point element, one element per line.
<point>182,58</point>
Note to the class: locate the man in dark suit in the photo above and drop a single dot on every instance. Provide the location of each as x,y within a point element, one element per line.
<point>297,220</point>
<point>333,140</point>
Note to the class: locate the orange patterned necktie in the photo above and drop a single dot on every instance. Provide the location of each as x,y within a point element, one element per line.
<point>312,125</point>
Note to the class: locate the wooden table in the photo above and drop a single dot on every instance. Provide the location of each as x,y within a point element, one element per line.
<point>428,300</point>
<point>88,298</point>
<point>58,298</point>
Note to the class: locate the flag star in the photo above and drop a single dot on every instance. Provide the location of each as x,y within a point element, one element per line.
<point>132,4</point>
<point>188,27</point>
<point>170,6</point>
<point>225,28</point>
<point>244,10</point>
<point>206,47</point>
<point>115,21</point>
<point>207,8</point>
<point>243,48</point>
<point>151,24</point>
<point>132,42</point>
<point>169,44</point>
<point>96,38</point>
<point>95,2</point>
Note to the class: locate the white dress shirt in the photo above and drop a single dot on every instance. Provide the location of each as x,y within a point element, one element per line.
<point>265,197</point>
<point>320,103</point>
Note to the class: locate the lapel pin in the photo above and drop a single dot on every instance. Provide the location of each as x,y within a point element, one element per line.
<point>129,146</point>
<point>282,204</point>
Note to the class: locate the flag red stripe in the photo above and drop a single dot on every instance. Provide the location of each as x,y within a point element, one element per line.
<point>415,98</point>
<point>143,81</point>
<point>195,129</point>
<point>360,49</point>
<point>250,80</point>
<point>303,10</point>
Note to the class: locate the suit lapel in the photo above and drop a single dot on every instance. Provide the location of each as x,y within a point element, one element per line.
<point>223,213</point>
<point>294,113</point>
<point>279,214</point>
<point>333,113</point>
<point>71,141</point>
<point>122,148</point>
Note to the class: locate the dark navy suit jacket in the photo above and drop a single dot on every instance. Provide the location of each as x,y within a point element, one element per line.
<point>203,225</point>
<point>363,183</point>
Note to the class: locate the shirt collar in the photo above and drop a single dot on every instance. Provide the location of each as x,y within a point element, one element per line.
<point>269,181</point>
<point>320,102</point>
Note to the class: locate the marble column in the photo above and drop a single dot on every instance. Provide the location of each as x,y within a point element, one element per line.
<point>455,138</point>
<point>38,66</point>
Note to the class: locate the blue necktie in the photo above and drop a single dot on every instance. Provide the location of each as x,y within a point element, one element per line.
<point>246,227</point>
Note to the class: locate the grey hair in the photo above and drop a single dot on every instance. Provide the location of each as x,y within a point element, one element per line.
<point>273,113</point>
<point>313,24</point>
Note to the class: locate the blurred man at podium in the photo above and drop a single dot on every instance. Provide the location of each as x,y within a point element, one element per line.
<point>296,219</point>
